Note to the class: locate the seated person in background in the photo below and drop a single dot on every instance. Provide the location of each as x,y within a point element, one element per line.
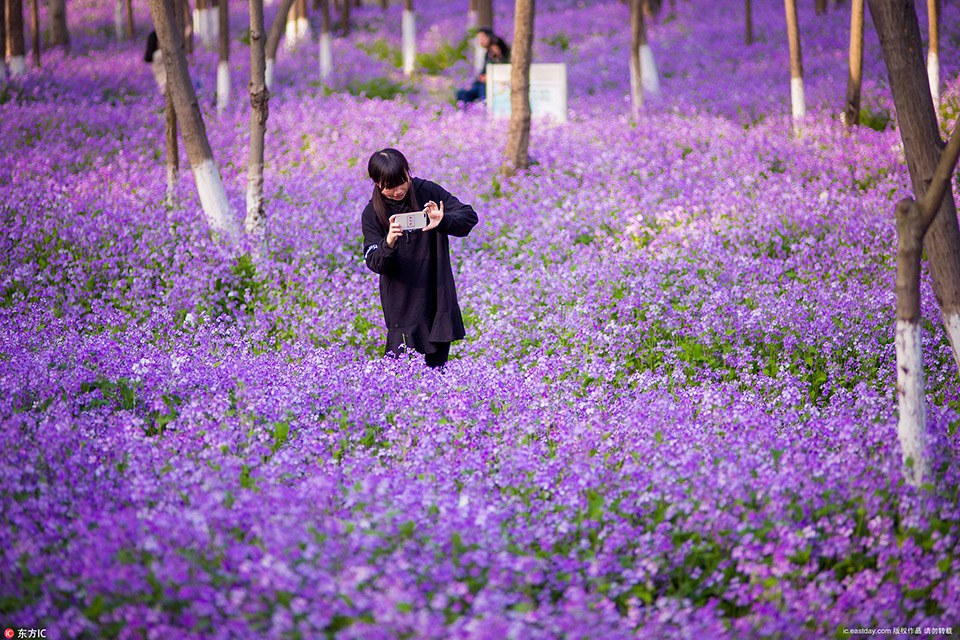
<point>154,56</point>
<point>497,53</point>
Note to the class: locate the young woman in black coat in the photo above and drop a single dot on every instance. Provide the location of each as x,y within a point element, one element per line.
<point>416,282</point>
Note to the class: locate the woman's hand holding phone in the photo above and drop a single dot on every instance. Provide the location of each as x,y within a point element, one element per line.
<point>395,231</point>
<point>434,215</point>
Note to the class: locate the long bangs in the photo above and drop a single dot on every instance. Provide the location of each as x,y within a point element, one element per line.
<point>388,168</point>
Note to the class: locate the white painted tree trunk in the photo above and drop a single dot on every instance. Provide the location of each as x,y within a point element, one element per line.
<point>223,86</point>
<point>912,424</point>
<point>933,74</point>
<point>198,23</point>
<point>206,26</point>
<point>797,99</point>
<point>636,89</point>
<point>648,71</point>
<point>159,71</point>
<point>409,29</point>
<point>118,19</point>
<point>18,66</point>
<point>268,74</point>
<point>471,20</point>
<point>952,325</point>
<point>326,55</point>
<point>303,28</point>
<point>172,200</point>
<point>213,200</point>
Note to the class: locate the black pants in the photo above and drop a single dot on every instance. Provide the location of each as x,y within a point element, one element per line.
<point>439,357</point>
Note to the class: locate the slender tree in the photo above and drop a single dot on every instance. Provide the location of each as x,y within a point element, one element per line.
<point>345,17</point>
<point>933,51</point>
<point>797,99</point>
<point>187,30</point>
<point>484,20</point>
<point>408,25</point>
<point>35,31</point>
<point>748,20</point>
<point>326,41</point>
<point>472,15</point>
<point>213,198</point>
<point>3,40</point>
<point>130,30</point>
<point>820,7</point>
<point>273,38</point>
<point>118,20</point>
<point>59,34</point>
<point>255,221</point>
<point>648,67</point>
<point>899,33</point>
<point>851,108</point>
<point>181,12</point>
<point>223,67</point>
<point>16,47</point>
<point>297,26</point>
<point>518,138</point>
<point>636,70</point>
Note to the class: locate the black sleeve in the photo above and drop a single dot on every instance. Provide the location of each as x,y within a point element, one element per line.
<point>458,218</point>
<point>380,257</point>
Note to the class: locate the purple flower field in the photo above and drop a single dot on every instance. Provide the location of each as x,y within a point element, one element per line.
<point>674,414</point>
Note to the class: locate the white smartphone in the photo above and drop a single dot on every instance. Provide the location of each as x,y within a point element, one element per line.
<point>412,220</point>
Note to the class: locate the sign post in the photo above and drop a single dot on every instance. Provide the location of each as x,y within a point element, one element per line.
<point>548,90</point>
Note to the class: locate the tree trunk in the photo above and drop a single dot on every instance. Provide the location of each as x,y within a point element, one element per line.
<point>129,19</point>
<point>913,220</point>
<point>820,7</point>
<point>851,108</point>
<point>797,100</point>
<point>3,40</point>
<point>933,52</point>
<point>384,4</point>
<point>118,20</point>
<point>636,70</point>
<point>911,400</point>
<point>648,67</point>
<point>297,27</point>
<point>899,33</point>
<point>472,15</point>
<point>16,47</point>
<point>213,198</point>
<point>485,14</point>
<point>255,221</point>
<point>184,18</point>
<point>180,10</point>
<point>408,24</point>
<point>326,42</point>
<point>173,152</point>
<point>223,67</point>
<point>518,139</point>
<point>273,39</point>
<point>345,18</point>
<point>35,31</point>
<point>59,33</point>
<point>748,19</point>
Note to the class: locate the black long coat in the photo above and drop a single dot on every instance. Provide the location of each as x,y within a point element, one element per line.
<point>416,282</point>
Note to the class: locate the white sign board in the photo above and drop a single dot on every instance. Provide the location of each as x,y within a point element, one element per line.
<point>548,90</point>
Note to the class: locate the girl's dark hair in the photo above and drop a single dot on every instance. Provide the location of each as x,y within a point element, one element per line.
<point>152,45</point>
<point>388,169</point>
<point>497,40</point>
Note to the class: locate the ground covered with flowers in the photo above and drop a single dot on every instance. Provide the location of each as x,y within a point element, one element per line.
<point>674,413</point>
